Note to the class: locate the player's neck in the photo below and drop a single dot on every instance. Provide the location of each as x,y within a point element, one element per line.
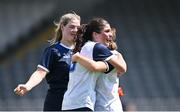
<point>68,44</point>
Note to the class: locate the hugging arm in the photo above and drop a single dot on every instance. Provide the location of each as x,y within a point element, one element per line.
<point>119,63</point>
<point>94,66</point>
<point>101,52</point>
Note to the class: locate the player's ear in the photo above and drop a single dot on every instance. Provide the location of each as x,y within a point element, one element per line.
<point>62,27</point>
<point>95,35</point>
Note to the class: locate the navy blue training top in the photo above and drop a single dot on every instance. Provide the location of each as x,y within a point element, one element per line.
<point>56,60</point>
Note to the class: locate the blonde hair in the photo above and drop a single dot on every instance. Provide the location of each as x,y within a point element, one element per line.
<point>64,20</point>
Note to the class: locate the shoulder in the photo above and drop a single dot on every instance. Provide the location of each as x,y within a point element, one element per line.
<point>89,44</point>
<point>88,47</point>
<point>51,49</point>
<point>101,52</point>
<point>98,47</point>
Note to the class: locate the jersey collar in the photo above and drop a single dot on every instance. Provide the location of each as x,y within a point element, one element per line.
<point>66,46</point>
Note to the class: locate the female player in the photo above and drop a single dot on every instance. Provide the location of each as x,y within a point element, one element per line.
<point>81,94</point>
<point>107,97</point>
<point>55,63</point>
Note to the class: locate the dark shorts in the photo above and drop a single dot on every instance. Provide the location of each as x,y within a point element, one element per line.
<point>53,101</point>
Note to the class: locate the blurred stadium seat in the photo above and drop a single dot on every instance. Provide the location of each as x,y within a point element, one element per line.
<point>148,36</point>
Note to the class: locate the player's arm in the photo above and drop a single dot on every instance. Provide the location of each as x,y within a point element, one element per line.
<point>95,66</point>
<point>34,80</point>
<point>42,69</point>
<point>101,52</point>
<point>119,63</point>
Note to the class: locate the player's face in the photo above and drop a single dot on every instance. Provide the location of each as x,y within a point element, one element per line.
<point>69,31</point>
<point>105,35</point>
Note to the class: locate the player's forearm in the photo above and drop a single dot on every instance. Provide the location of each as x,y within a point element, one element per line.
<point>91,64</point>
<point>119,63</point>
<point>122,64</point>
<point>35,79</point>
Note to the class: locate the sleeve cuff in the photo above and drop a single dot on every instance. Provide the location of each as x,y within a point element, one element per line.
<point>42,67</point>
<point>107,69</point>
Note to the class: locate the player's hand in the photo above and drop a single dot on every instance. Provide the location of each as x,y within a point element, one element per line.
<point>21,89</point>
<point>75,57</point>
<point>121,91</point>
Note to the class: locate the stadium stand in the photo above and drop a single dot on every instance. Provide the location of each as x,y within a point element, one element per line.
<point>148,36</point>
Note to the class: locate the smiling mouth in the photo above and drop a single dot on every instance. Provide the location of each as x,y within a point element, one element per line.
<point>73,34</point>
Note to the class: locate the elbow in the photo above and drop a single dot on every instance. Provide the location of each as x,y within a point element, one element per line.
<point>122,70</point>
<point>125,69</point>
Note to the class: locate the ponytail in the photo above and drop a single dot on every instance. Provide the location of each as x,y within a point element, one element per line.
<point>80,40</point>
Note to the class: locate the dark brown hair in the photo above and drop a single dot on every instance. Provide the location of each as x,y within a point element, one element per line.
<point>86,30</point>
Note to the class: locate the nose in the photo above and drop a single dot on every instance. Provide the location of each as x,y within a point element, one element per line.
<point>75,29</point>
<point>110,36</point>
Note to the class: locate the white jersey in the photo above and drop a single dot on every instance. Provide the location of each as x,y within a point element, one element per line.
<point>107,97</point>
<point>82,82</point>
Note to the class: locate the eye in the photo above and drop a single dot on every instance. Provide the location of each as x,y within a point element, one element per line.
<point>72,26</point>
<point>107,31</point>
